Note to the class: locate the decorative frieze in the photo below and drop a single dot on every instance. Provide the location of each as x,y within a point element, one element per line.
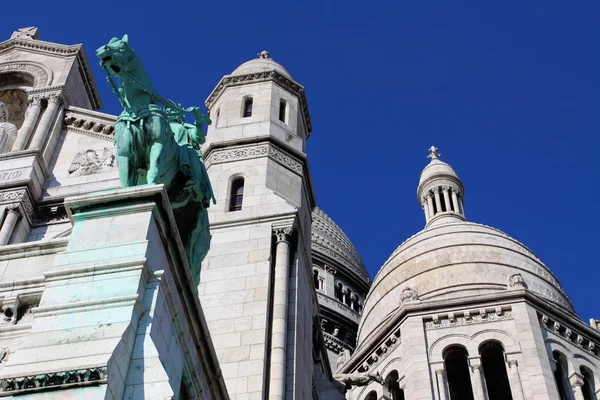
<point>242,153</point>
<point>22,198</point>
<point>54,380</point>
<point>81,124</point>
<point>467,317</point>
<point>381,352</point>
<point>577,338</point>
<point>275,76</point>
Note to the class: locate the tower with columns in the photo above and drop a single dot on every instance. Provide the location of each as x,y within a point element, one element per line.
<point>256,284</point>
<point>461,310</point>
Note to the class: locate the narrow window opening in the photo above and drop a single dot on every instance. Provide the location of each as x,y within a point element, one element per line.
<point>560,374</point>
<point>494,371</point>
<point>444,206</point>
<point>282,109</point>
<point>348,298</point>
<point>436,206</point>
<point>217,118</point>
<point>237,194</point>
<point>393,386</point>
<point>338,292</point>
<point>459,379</point>
<point>316,279</point>
<point>588,388</point>
<point>247,107</point>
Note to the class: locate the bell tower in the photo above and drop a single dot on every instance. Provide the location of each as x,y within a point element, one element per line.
<point>256,284</point>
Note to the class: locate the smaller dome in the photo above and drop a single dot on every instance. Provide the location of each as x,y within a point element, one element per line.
<point>436,168</point>
<point>329,239</point>
<point>261,64</point>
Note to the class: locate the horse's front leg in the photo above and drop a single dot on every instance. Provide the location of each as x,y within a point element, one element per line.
<point>158,131</point>
<point>124,142</point>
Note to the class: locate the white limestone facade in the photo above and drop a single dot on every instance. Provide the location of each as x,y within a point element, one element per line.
<point>94,284</point>
<point>256,284</point>
<point>463,311</point>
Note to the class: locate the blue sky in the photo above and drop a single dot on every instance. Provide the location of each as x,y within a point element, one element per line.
<point>509,92</point>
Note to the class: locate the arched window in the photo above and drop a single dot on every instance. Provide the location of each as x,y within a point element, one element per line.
<point>338,292</point>
<point>348,298</point>
<point>393,386</point>
<point>316,279</point>
<point>560,374</point>
<point>457,369</point>
<point>247,111</point>
<point>494,371</point>
<point>588,389</point>
<point>282,109</point>
<point>371,396</point>
<point>237,194</point>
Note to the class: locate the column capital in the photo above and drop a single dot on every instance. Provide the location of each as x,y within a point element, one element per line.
<point>511,358</point>
<point>57,98</point>
<point>14,208</point>
<point>475,363</point>
<point>445,188</point>
<point>283,234</point>
<point>35,100</point>
<point>576,379</point>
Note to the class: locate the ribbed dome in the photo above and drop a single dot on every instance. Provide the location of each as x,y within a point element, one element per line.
<point>329,240</point>
<point>261,64</point>
<point>455,260</point>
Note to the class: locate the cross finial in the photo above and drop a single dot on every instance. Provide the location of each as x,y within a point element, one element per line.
<point>263,54</point>
<point>433,153</point>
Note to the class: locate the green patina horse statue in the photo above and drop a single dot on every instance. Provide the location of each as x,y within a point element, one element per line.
<point>156,146</point>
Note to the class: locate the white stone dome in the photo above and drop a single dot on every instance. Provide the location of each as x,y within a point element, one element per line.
<point>436,168</point>
<point>328,239</point>
<point>261,64</point>
<point>452,260</point>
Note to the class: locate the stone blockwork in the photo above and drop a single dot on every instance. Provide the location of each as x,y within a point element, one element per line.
<point>114,307</point>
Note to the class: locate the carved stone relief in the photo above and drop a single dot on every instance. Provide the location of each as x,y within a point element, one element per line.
<point>88,162</point>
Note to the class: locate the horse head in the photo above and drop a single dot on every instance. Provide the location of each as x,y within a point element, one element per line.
<point>117,56</point>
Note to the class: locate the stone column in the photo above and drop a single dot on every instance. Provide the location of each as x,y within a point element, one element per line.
<point>455,202</point>
<point>430,205</point>
<point>438,201</point>
<point>425,209</point>
<point>460,204</point>
<point>441,382</point>
<point>12,215</point>
<point>446,190</point>
<point>45,125</point>
<point>576,381</point>
<point>280,308</point>
<point>477,379</point>
<point>33,112</point>
<point>514,379</point>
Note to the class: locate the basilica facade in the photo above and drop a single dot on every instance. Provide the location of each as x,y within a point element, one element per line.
<point>98,301</point>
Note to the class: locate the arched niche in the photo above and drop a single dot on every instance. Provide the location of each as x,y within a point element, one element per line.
<point>24,74</point>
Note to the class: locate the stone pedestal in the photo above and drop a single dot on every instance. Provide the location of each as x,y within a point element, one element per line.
<point>118,316</point>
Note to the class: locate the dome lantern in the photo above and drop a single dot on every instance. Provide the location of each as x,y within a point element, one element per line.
<point>440,192</point>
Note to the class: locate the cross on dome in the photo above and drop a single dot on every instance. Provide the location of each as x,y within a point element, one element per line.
<point>433,153</point>
<point>263,54</point>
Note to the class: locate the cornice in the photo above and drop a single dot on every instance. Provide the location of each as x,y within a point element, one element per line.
<point>90,123</point>
<point>267,76</point>
<point>64,51</point>
<point>429,309</point>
